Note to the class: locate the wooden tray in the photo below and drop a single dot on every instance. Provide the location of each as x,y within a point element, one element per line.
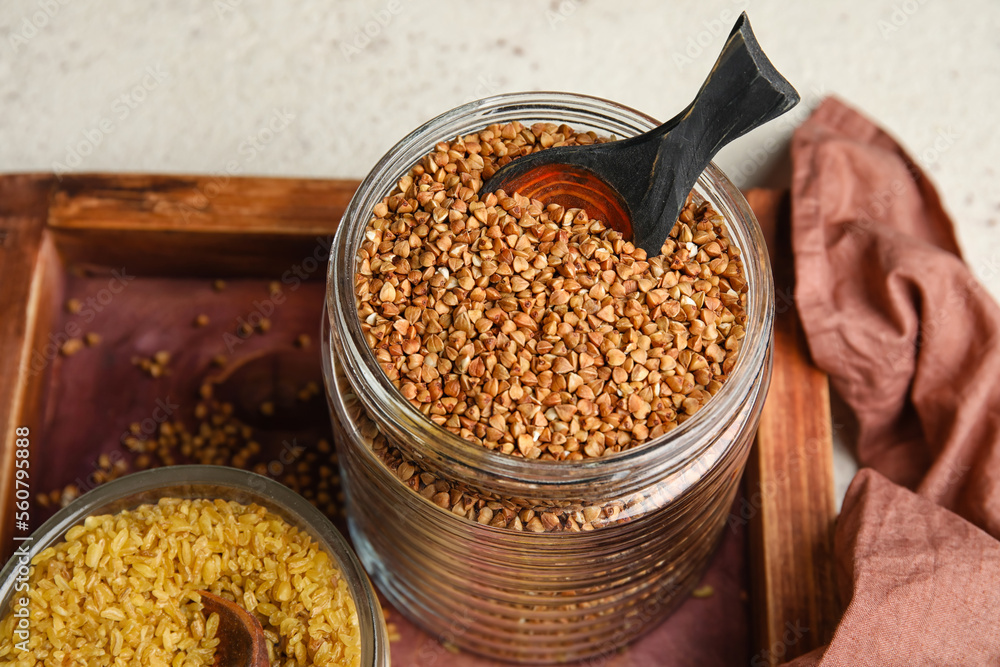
<point>66,238</point>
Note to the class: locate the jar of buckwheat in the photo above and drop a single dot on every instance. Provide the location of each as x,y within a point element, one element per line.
<point>541,430</point>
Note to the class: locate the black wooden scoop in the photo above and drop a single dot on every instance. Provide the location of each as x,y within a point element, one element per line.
<point>638,186</point>
<point>241,638</point>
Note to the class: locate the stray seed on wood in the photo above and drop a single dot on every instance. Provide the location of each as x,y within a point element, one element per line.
<point>71,347</point>
<point>703,592</point>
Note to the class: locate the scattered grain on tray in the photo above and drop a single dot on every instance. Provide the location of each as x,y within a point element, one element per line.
<point>201,320</point>
<point>219,438</point>
<point>155,366</point>
<point>82,606</point>
<point>71,347</point>
<point>70,492</point>
<point>703,592</point>
<point>531,329</point>
<point>92,339</point>
<point>274,288</point>
<point>244,330</point>
<point>307,391</point>
<point>73,306</point>
<point>264,325</point>
<point>302,341</point>
<point>219,285</point>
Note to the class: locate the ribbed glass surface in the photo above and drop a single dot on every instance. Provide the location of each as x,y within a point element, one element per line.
<point>551,596</point>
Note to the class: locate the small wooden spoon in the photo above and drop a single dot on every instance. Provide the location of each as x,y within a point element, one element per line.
<point>241,638</point>
<point>639,185</point>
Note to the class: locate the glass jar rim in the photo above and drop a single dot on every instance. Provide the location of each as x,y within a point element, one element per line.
<point>381,397</point>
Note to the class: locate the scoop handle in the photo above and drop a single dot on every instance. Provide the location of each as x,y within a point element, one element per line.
<point>742,92</point>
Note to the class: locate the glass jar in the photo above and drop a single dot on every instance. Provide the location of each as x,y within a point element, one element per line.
<point>211,482</point>
<point>623,537</point>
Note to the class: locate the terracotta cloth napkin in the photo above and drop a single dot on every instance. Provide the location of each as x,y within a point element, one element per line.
<point>912,343</point>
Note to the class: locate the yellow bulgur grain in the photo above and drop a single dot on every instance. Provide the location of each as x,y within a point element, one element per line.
<point>123,590</point>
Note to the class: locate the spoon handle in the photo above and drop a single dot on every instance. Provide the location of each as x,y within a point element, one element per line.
<point>743,91</point>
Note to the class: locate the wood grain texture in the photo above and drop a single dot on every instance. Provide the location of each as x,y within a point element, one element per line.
<point>196,225</point>
<point>23,206</point>
<point>790,499</point>
<point>220,204</point>
<point>201,226</point>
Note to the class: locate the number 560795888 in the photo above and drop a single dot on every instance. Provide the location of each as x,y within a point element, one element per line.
<point>22,487</point>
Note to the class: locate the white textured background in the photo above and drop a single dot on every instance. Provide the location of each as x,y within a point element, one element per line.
<point>77,89</point>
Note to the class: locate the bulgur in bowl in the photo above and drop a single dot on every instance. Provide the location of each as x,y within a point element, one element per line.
<point>114,577</point>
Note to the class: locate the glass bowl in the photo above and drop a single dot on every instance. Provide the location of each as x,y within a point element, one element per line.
<point>212,482</point>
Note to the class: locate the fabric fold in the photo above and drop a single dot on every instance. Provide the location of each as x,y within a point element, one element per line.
<point>911,341</point>
<point>922,583</point>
